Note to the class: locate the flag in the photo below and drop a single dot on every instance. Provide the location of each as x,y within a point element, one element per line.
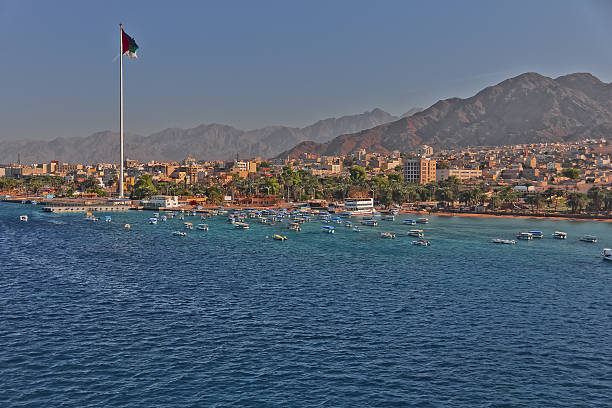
<point>128,45</point>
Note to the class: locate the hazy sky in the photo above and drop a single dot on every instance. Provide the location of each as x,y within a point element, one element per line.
<point>258,63</point>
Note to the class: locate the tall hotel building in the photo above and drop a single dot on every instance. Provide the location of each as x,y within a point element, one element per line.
<point>421,170</point>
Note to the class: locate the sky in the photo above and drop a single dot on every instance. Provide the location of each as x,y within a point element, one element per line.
<point>256,63</point>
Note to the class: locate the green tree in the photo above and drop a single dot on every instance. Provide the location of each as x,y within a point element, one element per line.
<point>358,173</point>
<point>572,173</point>
<point>577,201</point>
<point>144,188</point>
<point>596,195</point>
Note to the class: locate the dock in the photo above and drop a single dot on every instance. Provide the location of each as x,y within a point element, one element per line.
<point>86,208</point>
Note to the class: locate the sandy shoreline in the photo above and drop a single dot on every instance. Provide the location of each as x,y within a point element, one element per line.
<point>481,215</point>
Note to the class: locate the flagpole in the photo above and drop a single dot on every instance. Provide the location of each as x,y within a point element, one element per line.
<point>121,108</point>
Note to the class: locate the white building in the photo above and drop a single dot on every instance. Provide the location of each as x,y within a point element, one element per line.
<point>358,206</point>
<point>161,201</point>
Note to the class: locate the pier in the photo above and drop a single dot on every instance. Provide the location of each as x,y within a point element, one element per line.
<point>85,208</point>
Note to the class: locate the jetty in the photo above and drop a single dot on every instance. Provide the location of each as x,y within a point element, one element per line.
<point>85,208</point>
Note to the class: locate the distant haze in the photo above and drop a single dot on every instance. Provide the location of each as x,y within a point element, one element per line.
<point>256,64</point>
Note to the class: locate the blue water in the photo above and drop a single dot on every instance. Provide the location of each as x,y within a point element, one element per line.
<point>92,314</point>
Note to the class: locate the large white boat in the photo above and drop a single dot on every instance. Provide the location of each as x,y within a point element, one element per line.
<point>559,235</point>
<point>527,236</point>
<point>241,225</point>
<point>607,254</point>
<point>359,206</point>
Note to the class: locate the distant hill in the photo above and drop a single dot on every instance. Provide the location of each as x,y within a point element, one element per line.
<point>205,142</point>
<point>529,108</point>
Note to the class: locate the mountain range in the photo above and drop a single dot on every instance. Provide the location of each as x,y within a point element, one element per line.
<point>204,142</point>
<point>529,108</point>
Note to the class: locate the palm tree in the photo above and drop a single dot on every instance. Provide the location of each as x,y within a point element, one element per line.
<point>597,197</point>
<point>577,201</point>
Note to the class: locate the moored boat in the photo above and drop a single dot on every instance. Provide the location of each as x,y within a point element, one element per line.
<point>422,220</point>
<point>328,229</point>
<point>388,218</point>
<point>279,237</point>
<point>387,235</point>
<point>536,234</point>
<point>241,225</point>
<point>416,233</point>
<point>202,227</point>
<point>421,243</point>
<point>369,222</point>
<point>607,254</point>
<point>559,235</point>
<point>589,238</point>
<point>503,241</point>
<point>409,222</point>
<point>526,236</point>
<point>294,226</point>
<point>179,233</point>
<point>153,220</point>
<point>188,225</point>
<point>23,218</point>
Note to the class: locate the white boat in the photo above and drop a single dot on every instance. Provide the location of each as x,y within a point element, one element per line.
<point>153,220</point>
<point>369,222</point>
<point>422,220</point>
<point>607,254</point>
<point>416,233</point>
<point>23,218</point>
<point>328,229</point>
<point>527,236</point>
<point>559,235</point>
<point>503,241</point>
<point>179,233</point>
<point>202,227</point>
<point>387,235</point>
<point>409,222</point>
<point>388,218</point>
<point>589,238</point>
<point>156,215</point>
<point>356,229</point>
<point>421,243</point>
<point>294,226</point>
<point>536,234</point>
<point>164,218</point>
<point>188,225</point>
<point>241,225</point>
<point>108,218</point>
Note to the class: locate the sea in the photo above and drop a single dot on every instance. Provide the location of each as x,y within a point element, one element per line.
<point>96,315</point>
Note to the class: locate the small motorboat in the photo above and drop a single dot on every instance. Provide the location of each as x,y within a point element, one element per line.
<point>156,215</point>
<point>108,218</point>
<point>328,229</point>
<point>153,220</point>
<point>503,241</point>
<point>279,237</point>
<point>241,225</point>
<point>294,226</point>
<point>416,233</point>
<point>23,218</point>
<point>589,238</point>
<point>188,225</point>
<point>409,222</point>
<point>387,235</point>
<point>607,254</point>
<point>179,233</point>
<point>369,222</point>
<point>422,221</point>
<point>388,218</point>
<point>536,234</point>
<point>127,226</point>
<point>421,243</point>
<point>356,229</point>
<point>526,236</point>
<point>202,227</point>
<point>164,218</point>
<point>559,235</point>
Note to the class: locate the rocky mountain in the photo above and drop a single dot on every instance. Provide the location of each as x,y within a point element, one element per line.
<point>529,108</point>
<point>205,142</point>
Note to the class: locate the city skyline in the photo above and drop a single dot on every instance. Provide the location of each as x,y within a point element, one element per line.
<point>270,67</point>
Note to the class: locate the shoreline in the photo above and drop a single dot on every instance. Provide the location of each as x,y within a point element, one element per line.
<point>567,217</point>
